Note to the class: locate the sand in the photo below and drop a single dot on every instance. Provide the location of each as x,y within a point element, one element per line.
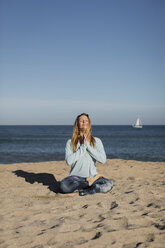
<point>132,215</point>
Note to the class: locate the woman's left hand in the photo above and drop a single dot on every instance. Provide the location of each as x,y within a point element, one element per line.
<point>84,139</point>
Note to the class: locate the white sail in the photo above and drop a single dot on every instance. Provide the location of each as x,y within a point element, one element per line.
<point>138,123</point>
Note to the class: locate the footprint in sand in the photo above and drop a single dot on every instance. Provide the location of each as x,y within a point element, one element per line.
<point>40,233</point>
<point>81,241</point>
<point>82,215</point>
<point>160,226</point>
<point>99,225</point>
<point>100,204</point>
<point>116,224</point>
<point>98,235</point>
<point>113,205</point>
<point>152,204</point>
<point>128,192</point>
<point>131,178</point>
<point>151,237</point>
<point>85,206</point>
<point>132,245</point>
<point>51,242</point>
<point>145,214</point>
<point>52,227</point>
<point>132,202</point>
<point>100,220</point>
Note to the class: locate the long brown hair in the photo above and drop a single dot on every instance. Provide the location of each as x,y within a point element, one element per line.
<point>76,133</point>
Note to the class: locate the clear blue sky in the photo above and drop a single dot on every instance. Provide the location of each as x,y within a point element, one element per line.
<point>60,58</point>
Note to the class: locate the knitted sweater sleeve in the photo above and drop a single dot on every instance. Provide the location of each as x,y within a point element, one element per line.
<point>72,157</point>
<point>98,152</point>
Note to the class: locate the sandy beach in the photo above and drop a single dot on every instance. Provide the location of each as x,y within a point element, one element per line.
<point>34,215</point>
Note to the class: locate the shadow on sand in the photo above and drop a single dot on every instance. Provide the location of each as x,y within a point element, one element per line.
<point>44,178</point>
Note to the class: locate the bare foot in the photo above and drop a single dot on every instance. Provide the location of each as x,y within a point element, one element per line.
<point>71,194</point>
<point>91,180</point>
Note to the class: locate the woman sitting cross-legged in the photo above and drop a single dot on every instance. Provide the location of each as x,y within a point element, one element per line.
<point>82,152</point>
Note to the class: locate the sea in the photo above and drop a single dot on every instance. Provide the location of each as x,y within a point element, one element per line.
<point>39,143</point>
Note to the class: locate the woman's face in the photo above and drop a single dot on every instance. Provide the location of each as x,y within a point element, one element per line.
<point>83,122</point>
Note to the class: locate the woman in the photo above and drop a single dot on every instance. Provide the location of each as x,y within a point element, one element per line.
<point>82,152</point>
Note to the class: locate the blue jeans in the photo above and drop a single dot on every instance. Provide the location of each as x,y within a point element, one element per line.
<point>72,184</point>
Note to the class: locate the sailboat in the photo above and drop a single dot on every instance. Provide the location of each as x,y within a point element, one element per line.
<point>138,123</point>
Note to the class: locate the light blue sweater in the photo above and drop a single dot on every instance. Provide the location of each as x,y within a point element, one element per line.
<point>83,160</point>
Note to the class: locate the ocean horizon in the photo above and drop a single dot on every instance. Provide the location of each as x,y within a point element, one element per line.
<point>38,143</point>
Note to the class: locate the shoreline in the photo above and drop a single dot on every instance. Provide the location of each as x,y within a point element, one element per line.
<point>33,215</point>
<point>56,161</point>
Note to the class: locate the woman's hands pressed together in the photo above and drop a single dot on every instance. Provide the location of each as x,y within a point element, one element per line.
<point>84,139</point>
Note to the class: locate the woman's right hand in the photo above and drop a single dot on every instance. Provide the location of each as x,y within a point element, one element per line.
<point>84,139</point>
